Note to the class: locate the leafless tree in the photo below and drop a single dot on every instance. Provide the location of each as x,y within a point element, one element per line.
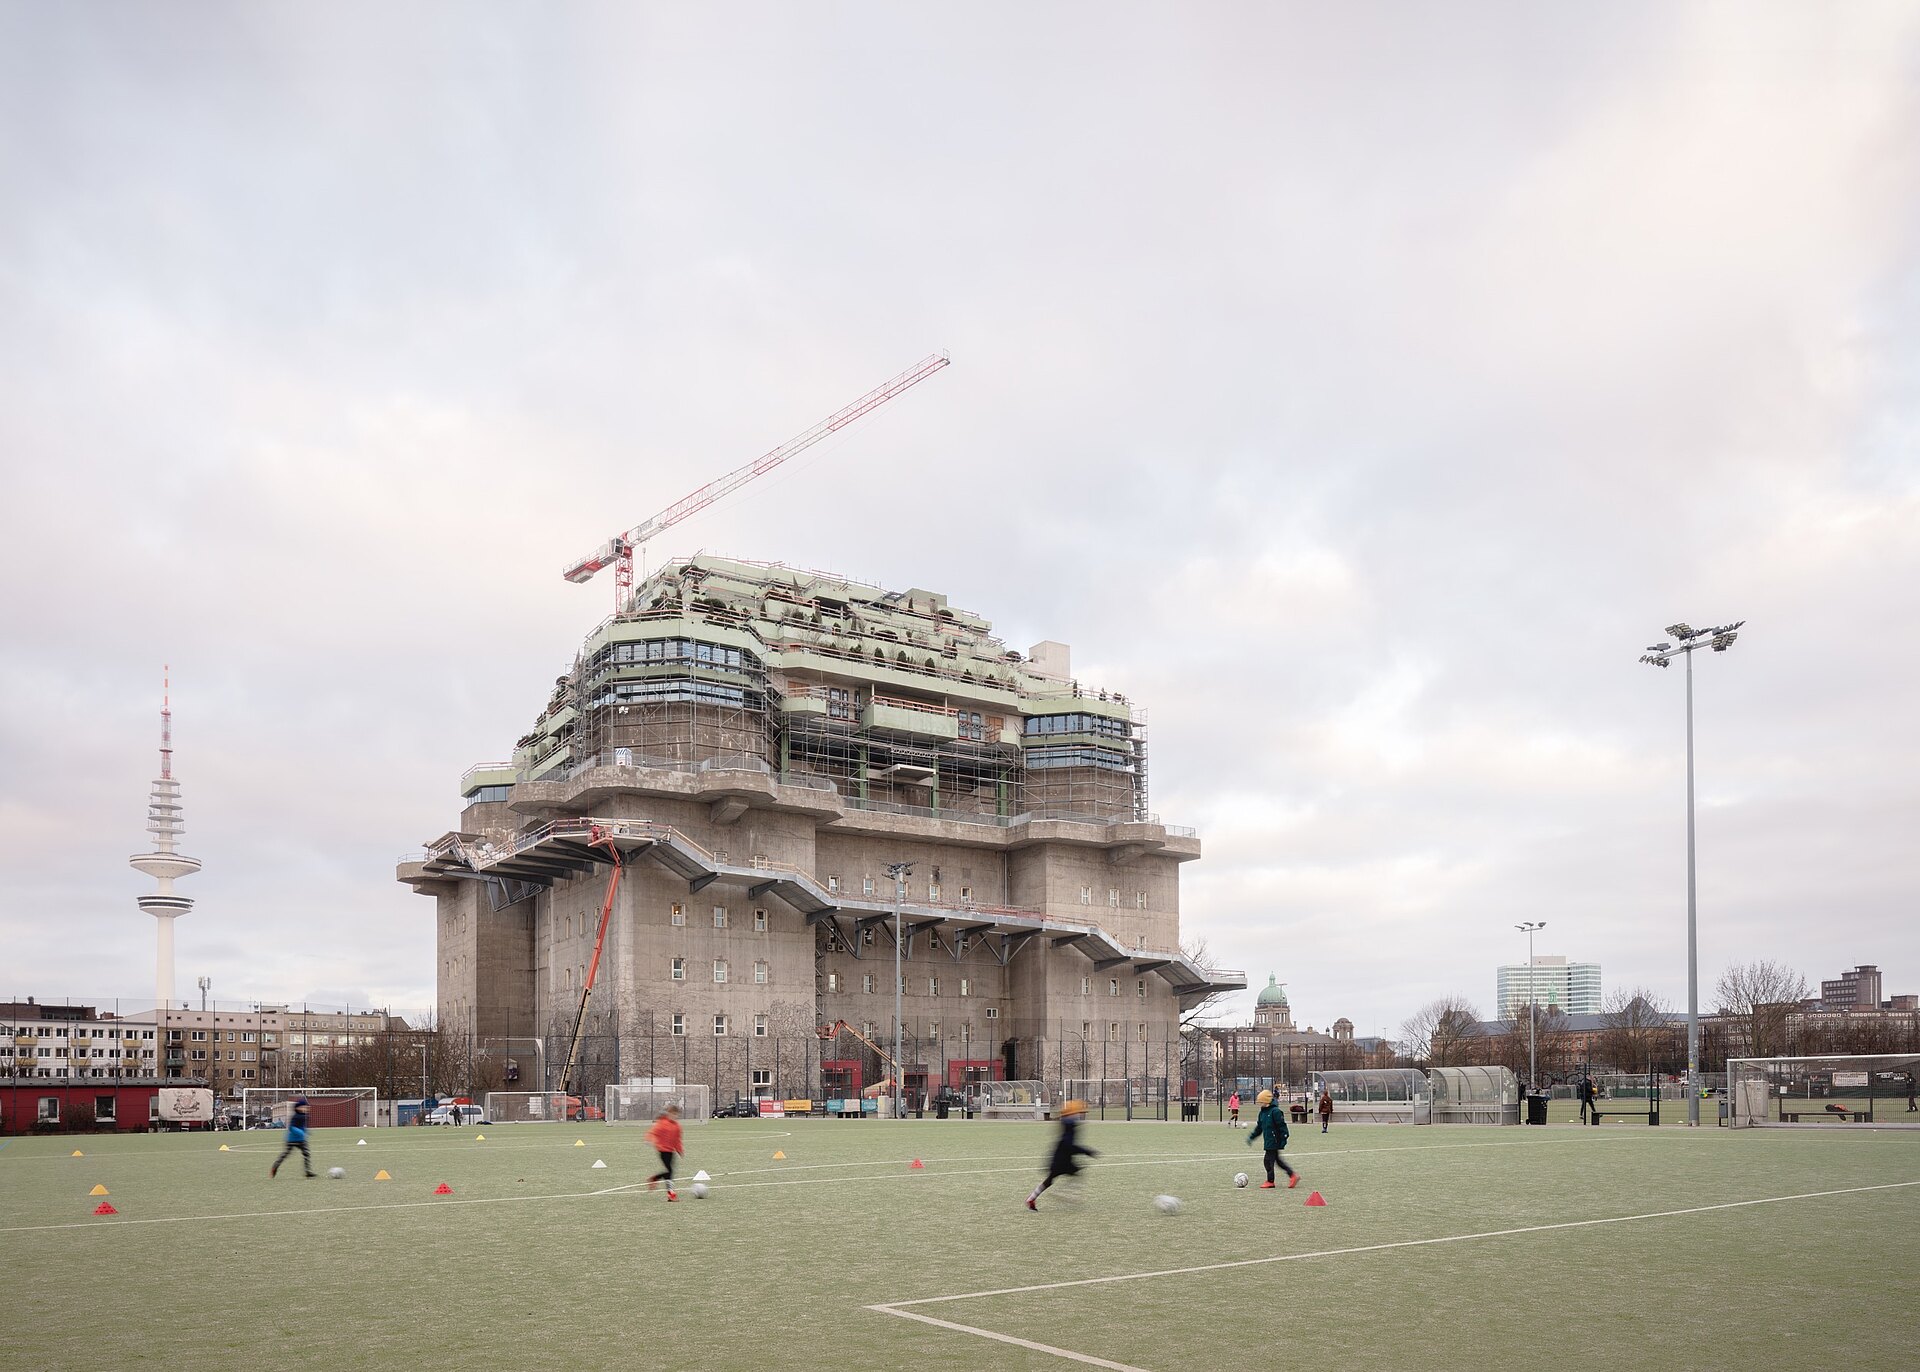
<point>1443,1032</point>
<point>1759,997</point>
<point>1637,1034</point>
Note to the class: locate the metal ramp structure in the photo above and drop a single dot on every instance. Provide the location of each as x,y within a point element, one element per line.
<point>566,849</point>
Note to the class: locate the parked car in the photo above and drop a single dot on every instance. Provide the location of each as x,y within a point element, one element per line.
<point>741,1109</point>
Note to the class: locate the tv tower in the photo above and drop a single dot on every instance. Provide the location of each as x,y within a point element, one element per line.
<point>164,822</point>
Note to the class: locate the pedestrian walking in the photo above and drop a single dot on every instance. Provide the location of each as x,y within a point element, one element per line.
<point>1233,1106</point>
<point>1326,1109</point>
<point>1589,1101</point>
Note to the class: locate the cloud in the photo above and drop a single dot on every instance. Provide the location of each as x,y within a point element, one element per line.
<point>1360,391</point>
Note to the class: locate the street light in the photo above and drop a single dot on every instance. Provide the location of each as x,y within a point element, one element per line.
<point>423,1069</point>
<point>1689,640</point>
<point>1533,1069</point>
<point>899,871</point>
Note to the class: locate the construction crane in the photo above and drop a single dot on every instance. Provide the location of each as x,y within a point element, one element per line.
<point>617,552</point>
<point>597,837</point>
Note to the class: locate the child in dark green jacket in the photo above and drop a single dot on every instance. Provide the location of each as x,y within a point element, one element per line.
<point>1272,1123</point>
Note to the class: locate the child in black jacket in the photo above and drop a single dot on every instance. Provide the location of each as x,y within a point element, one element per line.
<point>1067,1150</point>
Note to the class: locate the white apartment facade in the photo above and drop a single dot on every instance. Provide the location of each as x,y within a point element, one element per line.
<point>1552,983</point>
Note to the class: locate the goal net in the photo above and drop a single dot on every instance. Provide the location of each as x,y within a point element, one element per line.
<point>642,1102</point>
<point>1013,1100</point>
<point>1876,1089</point>
<point>1106,1097</point>
<point>328,1107</point>
<point>531,1107</point>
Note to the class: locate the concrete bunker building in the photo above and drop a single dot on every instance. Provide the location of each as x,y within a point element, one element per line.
<point>761,744</point>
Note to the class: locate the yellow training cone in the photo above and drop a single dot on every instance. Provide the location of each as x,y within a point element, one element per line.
<point>382,1175</point>
<point>76,1153</point>
<point>779,1156</point>
<point>99,1191</point>
<point>579,1143</point>
<point>225,1149</point>
<point>479,1138</point>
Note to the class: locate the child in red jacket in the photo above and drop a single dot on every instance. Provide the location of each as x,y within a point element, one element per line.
<point>665,1137</point>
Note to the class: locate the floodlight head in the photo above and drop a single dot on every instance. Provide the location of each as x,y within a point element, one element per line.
<point>1682,630</point>
<point>1724,641</point>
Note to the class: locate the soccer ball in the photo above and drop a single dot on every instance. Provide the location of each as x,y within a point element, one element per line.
<point>336,1172</point>
<point>1240,1179</point>
<point>699,1190</point>
<point>1167,1205</point>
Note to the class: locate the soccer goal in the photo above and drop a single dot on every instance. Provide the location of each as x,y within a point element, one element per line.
<point>530,1107</point>
<point>1107,1098</point>
<point>642,1102</point>
<point>328,1107</point>
<point>1875,1089</point>
<point>1013,1100</point>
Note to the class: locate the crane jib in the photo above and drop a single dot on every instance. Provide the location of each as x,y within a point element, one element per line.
<point>621,546</point>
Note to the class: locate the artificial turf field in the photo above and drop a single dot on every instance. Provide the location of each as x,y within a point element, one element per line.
<point>1442,1247</point>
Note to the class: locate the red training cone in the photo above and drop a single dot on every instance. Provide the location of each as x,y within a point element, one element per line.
<point>1316,1199</point>
<point>444,1190</point>
<point>916,1166</point>
<point>104,1209</point>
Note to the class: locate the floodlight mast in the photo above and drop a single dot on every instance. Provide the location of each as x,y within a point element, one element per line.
<point>617,552</point>
<point>1689,640</point>
<point>1533,1068</point>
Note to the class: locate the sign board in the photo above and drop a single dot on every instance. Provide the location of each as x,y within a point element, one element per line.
<point>772,1110</point>
<point>798,1107</point>
<point>1849,1078</point>
<point>186,1103</point>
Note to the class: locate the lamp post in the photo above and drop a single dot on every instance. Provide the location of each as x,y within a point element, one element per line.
<point>1533,1066</point>
<point>899,871</point>
<point>423,1069</point>
<point>1687,641</point>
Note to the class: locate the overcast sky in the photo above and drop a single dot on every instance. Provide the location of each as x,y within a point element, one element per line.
<point>1360,387</point>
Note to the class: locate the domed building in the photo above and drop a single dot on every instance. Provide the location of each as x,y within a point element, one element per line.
<point>1273,1047</point>
<point>1270,1008</point>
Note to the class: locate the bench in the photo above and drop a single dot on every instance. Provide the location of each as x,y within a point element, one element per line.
<point>1834,1112</point>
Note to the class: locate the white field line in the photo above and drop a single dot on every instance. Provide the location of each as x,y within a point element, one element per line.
<point>897,1307</point>
<point>1068,1353</point>
<point>1025,1166</point>
<point>893,1307</point>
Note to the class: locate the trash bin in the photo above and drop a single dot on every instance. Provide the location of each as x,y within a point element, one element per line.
<point>1536,1109</point>
<point>1189,1110</point>
<point>940,1108</point>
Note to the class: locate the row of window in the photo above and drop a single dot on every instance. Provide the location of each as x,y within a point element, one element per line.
<point>868,888</point>
<point>583,924</point>
<point>1113,897</point>
<point>872,1030</point>
<point>48,1031</point>
<point>677,691</point>
<point>721,972</point>
<point>1103,725</point>
<point>674,650</point>
<point>722,1025</point>
<point>870,982</point>
<point>1040,759</point>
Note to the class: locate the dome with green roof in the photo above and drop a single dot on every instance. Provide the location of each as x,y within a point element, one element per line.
<point>1273,994</point>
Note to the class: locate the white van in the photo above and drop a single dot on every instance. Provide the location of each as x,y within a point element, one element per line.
<point>458,1114</point>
